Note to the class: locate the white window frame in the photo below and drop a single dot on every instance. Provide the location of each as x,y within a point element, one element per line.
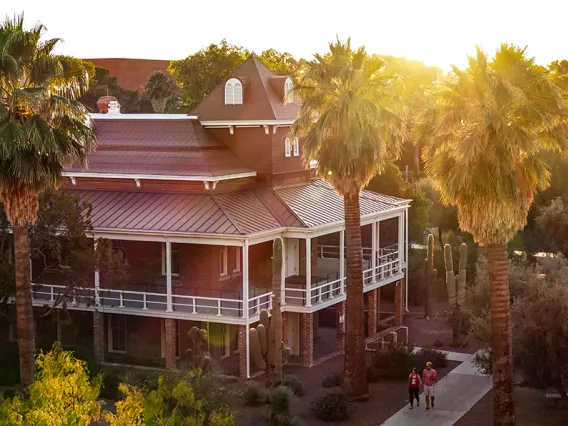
<point>163,340</point>
<point>175,248</point>
<point>236,259</point>
<point>226,341</point>
<point>288,86</point>
<point>233,92</point>
<point>111,349</point>
<point>223,262</point>
<point>287,148</point>
<point>296,145</point>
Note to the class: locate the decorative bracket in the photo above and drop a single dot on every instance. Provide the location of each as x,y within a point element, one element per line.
<point>274,128</point>
<point>137,183</point>
<point>266,129</point>
<point>232,130</point>
<point>73,180</point>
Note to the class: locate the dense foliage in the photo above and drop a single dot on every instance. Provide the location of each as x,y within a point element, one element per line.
<point>331,407</point>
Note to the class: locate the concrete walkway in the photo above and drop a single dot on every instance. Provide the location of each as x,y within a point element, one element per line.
<point>456,393</point>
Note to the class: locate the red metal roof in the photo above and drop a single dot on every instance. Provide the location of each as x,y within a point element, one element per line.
<point>159,147</point>
<point>260,100</point>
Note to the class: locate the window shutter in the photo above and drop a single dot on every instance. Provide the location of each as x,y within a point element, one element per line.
<point>229,96</point>
<point>238,93</point>
<point>296,147</point>
<point>287,147</point>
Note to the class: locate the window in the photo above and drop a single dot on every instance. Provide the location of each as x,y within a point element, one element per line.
<point>223,262</point>
<point>117,334</point>
<point>288,94</point>
<point>226,339</point>
<point>287,148</point>
<point>236,259</point>
<point>233,92</point>
<point>296,147</point>
<point>163,343</point>
<point>65,254</point>
<point>175,260</point>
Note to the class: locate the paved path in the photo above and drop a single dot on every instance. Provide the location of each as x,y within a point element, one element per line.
<point>456,393</point>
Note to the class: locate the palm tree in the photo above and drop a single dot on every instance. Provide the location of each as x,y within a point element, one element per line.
<point>348,124</point>
<point>42,127</point>
<point>483,137</point>
<point>160,89</point>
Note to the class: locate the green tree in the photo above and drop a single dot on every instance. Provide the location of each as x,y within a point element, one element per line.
<point>553,222</point>
<point>483,136</point>
<point>42,127</point>
<point>349,124</point>
<point>61,394</point>
<point>159,90</point>
<point>283,63</point>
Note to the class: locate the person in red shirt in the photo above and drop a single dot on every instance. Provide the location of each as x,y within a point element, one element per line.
<point>429,376</point>
<point>414,387</point>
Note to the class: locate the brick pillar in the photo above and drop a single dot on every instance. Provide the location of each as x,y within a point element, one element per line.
<point>242,336</point>
<point>307,340</point>
<point>99,336</point>
<point>170,343</point>
<point>285,327</point>
<point>372,313</point>
<point>378,305</point>
<point>398,302</point>
<point>340,336</point>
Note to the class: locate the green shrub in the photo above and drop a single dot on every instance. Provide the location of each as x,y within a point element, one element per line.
<point>254,395</point>
<point>331,407</point>
<point>295,384</point>
<point>397,361</point>
<point>281,410</point>
<point>335,379</point>
<point>372,374</point>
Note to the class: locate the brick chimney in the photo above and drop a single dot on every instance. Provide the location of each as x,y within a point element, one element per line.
<point>103,104</point>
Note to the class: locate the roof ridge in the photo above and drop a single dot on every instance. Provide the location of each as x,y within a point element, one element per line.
<point>216,201</point>
<point>288,207</point>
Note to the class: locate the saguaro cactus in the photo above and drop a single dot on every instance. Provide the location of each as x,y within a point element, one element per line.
<point>429,275</point>
<point>196,356</point>
<point>267,348</point>
<point>456,289</point>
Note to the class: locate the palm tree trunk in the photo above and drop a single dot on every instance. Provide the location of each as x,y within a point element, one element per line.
<point>355,382</point>
<point>501,346</point>
<point>24,310</point>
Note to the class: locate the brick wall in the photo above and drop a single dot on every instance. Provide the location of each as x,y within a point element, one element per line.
<point>399,302</point>
<point>372,313</point>
<point>170,343</point>
<point>340,336</point>
<point>99,336</point>
<point>242,339</point>
<point>281,163</point>
<point>307,339</point>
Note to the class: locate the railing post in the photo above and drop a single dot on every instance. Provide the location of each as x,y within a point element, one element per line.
<point>342,262</point>
<point>169,307</point>
<point>52,294</point>
<point>121,298</point>
<point>194,310</point>
<point>246,303</point>
<point>144,306</point>
<point>219,308</point>
<point>283,274</point>
<point>406,244</point>
<point>400,241</point>
<point>308,272</point>
<point>373,251</point>
<point>97,281</point>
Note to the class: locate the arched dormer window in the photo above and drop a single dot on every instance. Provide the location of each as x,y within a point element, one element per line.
<point>288,96</point>
<point>233,92</point>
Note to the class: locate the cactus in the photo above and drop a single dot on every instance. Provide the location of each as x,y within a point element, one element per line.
<point>429,274</point>
<point>196,357</point>
<point>456,289</point>
<point>267,348</point>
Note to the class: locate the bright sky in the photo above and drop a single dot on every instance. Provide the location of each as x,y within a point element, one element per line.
<point>437,32</point>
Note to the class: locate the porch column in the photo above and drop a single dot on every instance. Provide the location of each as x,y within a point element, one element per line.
<point>373,251</point>
<point>283,273</point>
<point>340,336</point>
<point>97,280</point>
<point>342,260</point>
<point>378,290</point>
<point>243,364</point>
<point>308,272</point>
<point>170,343</point>
<point>372,313</point>
<point>99,336</point>
<point>169,277</point>
<point>307,340</point>
<point>398,302</point>
<point>400,241</point>
<point>406,244</point>
<point>378,242</point>
<point>245,344</point>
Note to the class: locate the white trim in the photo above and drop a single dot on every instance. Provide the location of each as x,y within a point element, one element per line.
<point>98,116</point>
<point>169,276</point>
<point>236,97</point>
<point>287,148</point>
<point>308,272</point>
<point>164,268</point>
<point>236,259</point>
<point>110,347</point>
<point>246,304</point>
<point>237,123</point>
<point>223,262</point>
<point>74,175</point>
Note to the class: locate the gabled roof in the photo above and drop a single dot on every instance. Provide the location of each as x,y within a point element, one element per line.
<point>260,100</point>
<point>162,147</point>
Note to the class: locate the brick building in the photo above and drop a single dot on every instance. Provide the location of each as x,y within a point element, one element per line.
<point>194,202</point>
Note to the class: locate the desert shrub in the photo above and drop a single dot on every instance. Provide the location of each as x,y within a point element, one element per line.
<point>331,407</point>
<point>335,379</point>
<point>372,374</point>
<point>295,385</point>
<point>254,395</point>
<point>397,361</point>
<point>281,411</point>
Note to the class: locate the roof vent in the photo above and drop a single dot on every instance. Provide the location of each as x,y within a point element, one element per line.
<point>113,107</point>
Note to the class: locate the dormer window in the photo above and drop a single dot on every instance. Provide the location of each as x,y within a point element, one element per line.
<point>288,95</point>
<point>296,147</point>
<point>287,148</point>
<point>233,92</point>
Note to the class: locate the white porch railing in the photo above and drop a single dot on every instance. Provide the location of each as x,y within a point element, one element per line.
<point>147,301</point>
<point>329,251</point>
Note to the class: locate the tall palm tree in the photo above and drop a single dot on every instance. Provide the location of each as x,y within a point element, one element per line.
<point>483,137</point>
<point>160,89</point>
<point>42,127</point>
<point>349,123</point>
